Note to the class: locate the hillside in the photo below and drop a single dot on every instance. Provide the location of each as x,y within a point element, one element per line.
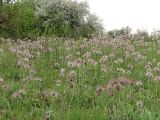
<point>102,78</point>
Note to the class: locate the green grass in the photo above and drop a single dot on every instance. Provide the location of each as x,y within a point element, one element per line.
<point>79,102</point>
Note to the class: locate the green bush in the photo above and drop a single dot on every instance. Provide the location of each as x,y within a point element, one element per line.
<point>63,18</point>
<point>19,20</point>
<point>67,18</point>
<point>119,32</point>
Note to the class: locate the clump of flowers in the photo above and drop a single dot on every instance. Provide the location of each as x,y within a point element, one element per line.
<point>121,70</point>
<point>149,74</point>
<point>71,77</point>
<point>157,78</point>
<point>19,93</point>
<point>118,83</point>
<point>104,59</point>
<point>87,55</point>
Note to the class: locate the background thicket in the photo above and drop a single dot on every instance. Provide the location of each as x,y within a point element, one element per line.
<point>33,18</point>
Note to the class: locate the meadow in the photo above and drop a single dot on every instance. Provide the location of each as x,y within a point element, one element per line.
<point>101,78</point>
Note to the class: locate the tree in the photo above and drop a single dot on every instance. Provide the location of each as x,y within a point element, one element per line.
<point>67,18</point>
<point>62,18</point>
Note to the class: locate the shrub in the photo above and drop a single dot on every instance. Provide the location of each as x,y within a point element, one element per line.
<point>33,18</point>
<point>122,31</point>
<point>19,20</point>
<point>67,18</point>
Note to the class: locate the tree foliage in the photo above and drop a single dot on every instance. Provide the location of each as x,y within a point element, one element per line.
<point>63,18</point>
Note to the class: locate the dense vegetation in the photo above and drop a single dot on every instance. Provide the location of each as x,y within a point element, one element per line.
<point>62,18</point>
<point>102,78</point>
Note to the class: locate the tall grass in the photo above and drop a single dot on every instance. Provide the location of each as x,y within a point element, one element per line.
<point>95,79</point>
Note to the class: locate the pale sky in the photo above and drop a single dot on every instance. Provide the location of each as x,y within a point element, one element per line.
<point>137,14</point>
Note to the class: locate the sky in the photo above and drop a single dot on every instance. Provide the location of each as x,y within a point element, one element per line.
<point>137,14</point>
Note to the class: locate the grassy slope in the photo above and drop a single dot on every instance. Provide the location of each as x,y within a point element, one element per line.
<point>81,101</point>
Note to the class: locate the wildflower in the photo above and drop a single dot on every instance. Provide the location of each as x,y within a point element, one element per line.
<point>91,61</point>
<point>111,93</point>
<point>130,67</point>
<point>5,86</point>
<point>139,104</point>
<point>69,57</point>
<point>115,61</point>
<point>70,83</point>
<point>127,54</point>
<point>72,74</point>
<point>20,64</point>
<point>156,69</point>
<point>111,56</point>
<point>118,86</point>
<point>68,48</point>
<point>26,66</point>
<point>157,78</point>
<point>1,79</point>
<point>100,90</point>
<point>149,64</point>
<point>47,116</point>
<point>16,95</point>
<point>32,71</point>
<point>53,94</point>
<point>62,72</point>
<point>56,64</point>
<point>120,60</point>
<point>121,70</point>
<point>38,53</point>
<point>43,93</point>
<point>37,79</point>
<point>29,78</point>
<point>103,70</point>
<point>132,82</point>
<point>87,55</point>
<point>26,59</point>
<point>104,59</point>
<point>139,83</point>
<point>79,61</point>
<point>19,93</point>
<point>149,74</point>
<point>49,49</point>
<point>97,52</point>
<point>71,64</point>
<point>109,87</point>
<point>78,53</point>
<point>128,72</point>
<point>58,82</point>
<point>129,96</point>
